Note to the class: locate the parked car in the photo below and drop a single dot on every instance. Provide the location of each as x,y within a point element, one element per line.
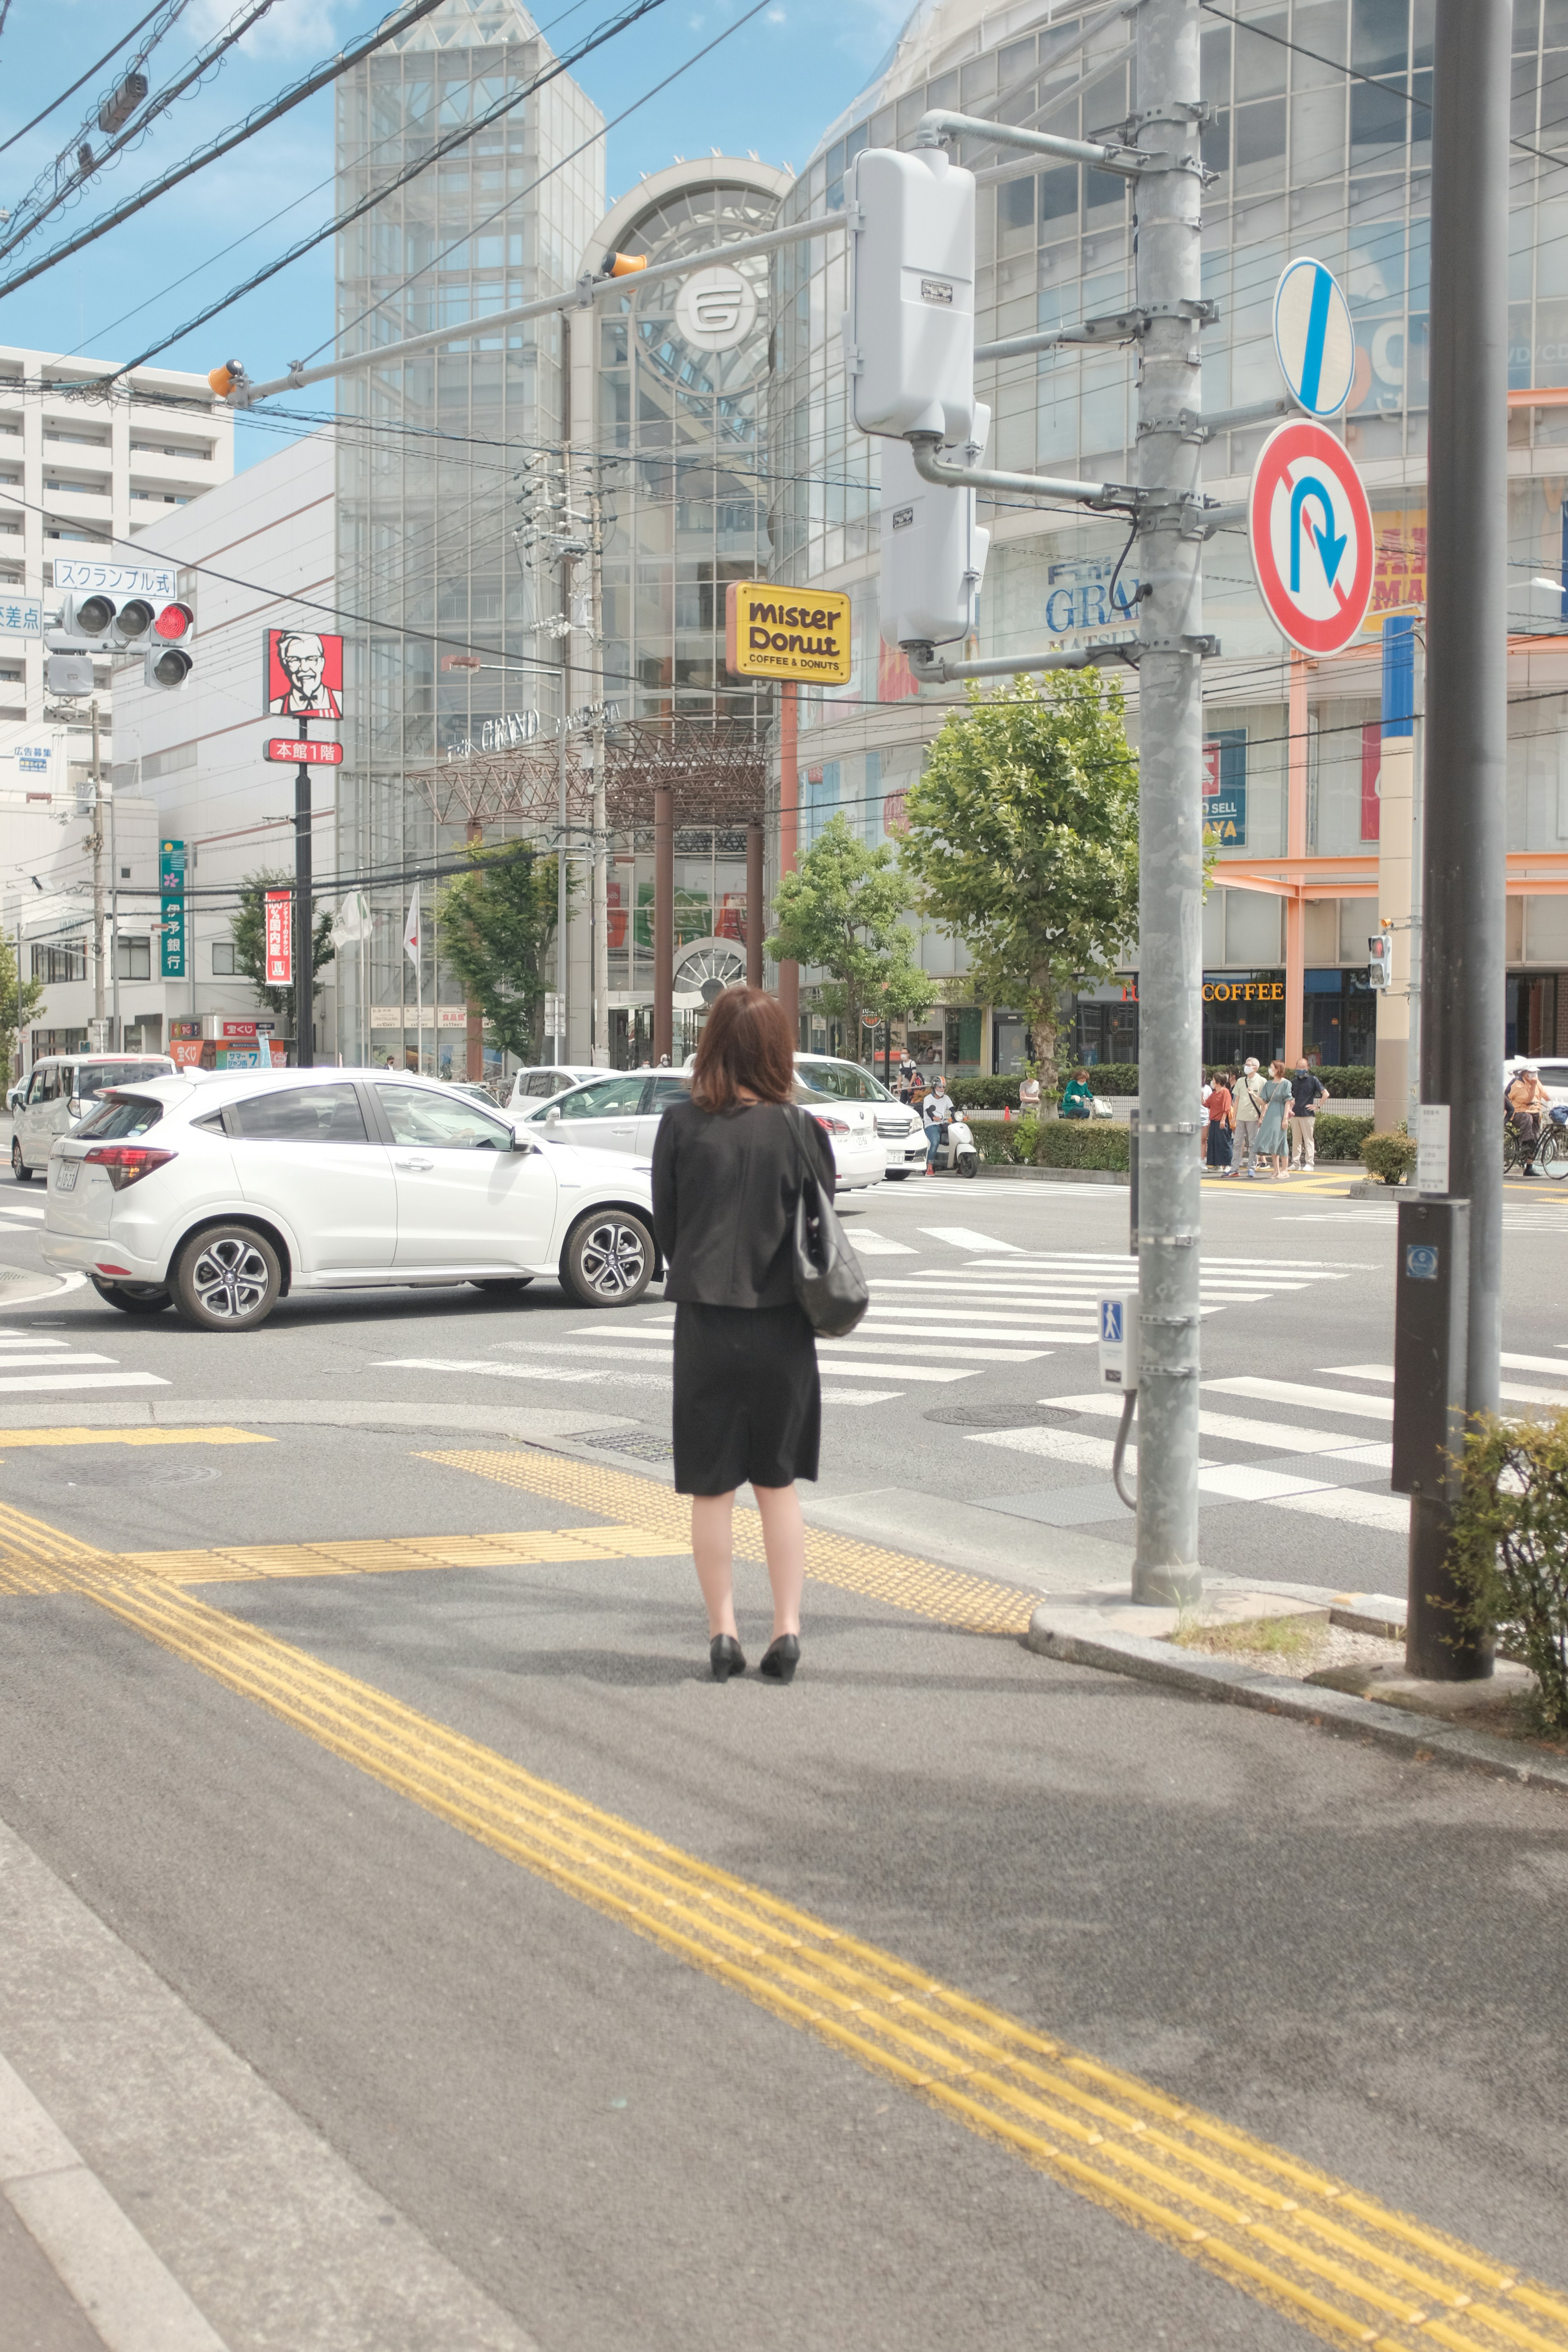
<point>546,1078</point>
<point>623,1111</point>
<point>898,1127</point>
<point>218,1194</point>
<point>61,1090</point>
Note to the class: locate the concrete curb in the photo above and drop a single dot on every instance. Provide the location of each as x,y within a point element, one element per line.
<point>1421,1741</point>
<point>1057,1175</point>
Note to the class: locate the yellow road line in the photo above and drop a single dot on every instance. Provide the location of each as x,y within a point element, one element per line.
<point>971,1604</point>
<point>1347,2269</point>
<point>10,1438</point>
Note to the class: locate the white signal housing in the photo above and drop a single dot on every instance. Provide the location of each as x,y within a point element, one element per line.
<point>909,332</point>
<point>1118,1340</point>
<point>934,549</point>
<point>1380,962</point>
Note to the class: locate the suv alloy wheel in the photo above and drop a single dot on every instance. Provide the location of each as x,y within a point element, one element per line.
<point>608,1259</point>
<point>227,1279</point>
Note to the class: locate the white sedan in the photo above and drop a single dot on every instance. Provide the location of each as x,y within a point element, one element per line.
<point>219,1193</point>
<point>621,1113</point>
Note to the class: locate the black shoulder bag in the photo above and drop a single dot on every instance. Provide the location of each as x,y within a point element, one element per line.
<point>828,1282</point>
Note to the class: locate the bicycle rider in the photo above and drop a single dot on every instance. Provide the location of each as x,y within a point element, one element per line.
<point>1527,1100</point>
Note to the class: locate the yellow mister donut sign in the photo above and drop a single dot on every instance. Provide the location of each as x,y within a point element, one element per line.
<point>774,632</point>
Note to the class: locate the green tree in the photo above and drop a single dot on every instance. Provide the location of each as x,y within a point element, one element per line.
<point>249,929</point>
<point>1023,839</point>
<point>497,926</point>
<point>19,1000</point>
<point>842,910</point>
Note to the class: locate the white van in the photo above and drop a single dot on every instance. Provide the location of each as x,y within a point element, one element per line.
<point>61,1090</point>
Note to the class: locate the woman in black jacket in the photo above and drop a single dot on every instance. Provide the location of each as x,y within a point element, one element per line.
<point>728,1167</point>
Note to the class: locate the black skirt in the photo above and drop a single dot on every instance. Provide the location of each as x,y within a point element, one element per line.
<point>748,1403</point>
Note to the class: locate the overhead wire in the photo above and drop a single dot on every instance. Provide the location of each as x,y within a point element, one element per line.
<point>71,92</point>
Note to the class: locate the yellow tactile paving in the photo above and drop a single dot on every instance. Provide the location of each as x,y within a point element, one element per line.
<point>971,1604</point>
<point>12,1439</point>
<point>1346,2269</point>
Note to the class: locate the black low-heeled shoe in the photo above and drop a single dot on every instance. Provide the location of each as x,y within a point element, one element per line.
<point>781,1658</point>
<point>726,1657</point>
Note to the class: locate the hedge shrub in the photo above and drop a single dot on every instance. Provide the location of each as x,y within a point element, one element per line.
<point>1509,1550</point>
<point>1355,1083</point>
<point>1341,1137</point>
<point>1390,1157</point>
<point>1056,1143</point>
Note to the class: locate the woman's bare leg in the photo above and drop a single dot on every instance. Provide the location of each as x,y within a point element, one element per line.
<point>712,1548</point>
<point>783,1539</point>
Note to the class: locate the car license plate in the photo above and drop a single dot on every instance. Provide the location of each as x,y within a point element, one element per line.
<point>65,1175</point>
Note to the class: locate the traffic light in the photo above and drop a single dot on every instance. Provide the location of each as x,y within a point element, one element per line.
<point>87,621</point>
<point>909,332</point>
<point>168,661</point>
<point>1380,962</point>
<point>934,549</point>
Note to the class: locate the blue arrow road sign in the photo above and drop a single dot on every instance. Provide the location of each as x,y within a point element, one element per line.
<point>1313,337</point>
<point>1329,548</point>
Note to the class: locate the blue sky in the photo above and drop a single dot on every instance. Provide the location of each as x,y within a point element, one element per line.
<point>774,86</point>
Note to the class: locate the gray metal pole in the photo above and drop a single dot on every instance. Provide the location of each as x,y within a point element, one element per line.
<point>97,1011</point>
<point>1169,729</point>
<point>1463,840</point>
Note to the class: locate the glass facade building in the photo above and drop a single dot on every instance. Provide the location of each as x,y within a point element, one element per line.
<point>1306,158</point>
<point>428,449</point>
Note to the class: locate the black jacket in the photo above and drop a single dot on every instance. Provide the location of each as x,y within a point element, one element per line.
<point>725,1185</point>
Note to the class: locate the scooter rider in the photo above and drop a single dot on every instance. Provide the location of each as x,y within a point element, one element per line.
<point>937,1112</point>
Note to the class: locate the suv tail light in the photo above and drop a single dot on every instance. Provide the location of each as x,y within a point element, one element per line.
<point>126,1164</point>
<point>834,1126</point>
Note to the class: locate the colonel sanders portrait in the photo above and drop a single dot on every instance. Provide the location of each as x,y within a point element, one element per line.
<point>304,658</point>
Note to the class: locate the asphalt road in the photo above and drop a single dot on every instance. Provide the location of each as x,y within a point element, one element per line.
<point>360,2078</point>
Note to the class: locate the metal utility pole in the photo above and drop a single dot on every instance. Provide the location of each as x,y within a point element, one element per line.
<point>304,990</point>
<point>1168,197</point>
<point>1463,832</point>
<point>116,1036</point>
<point>601,1048</point>
<point>97,845</point>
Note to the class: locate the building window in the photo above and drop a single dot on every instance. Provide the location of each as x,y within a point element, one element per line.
<point>134,959</point>
<point>223,960</point>
<point>58,965</point>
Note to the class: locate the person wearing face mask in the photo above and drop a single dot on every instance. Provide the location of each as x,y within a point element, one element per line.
<point>937,1112</point>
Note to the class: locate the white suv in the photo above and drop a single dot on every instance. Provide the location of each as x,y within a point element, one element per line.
<point>217,1194</point>
<point>61,1091</point>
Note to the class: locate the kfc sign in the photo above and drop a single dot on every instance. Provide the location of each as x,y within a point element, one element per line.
<point>279,937</point>
<point>303,674</point>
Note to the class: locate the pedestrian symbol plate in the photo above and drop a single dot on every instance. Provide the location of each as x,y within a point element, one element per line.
<point>1111,1322</point>
<point>1308,525</point>
<point>1420,1262</point>
<point>1313,337</point>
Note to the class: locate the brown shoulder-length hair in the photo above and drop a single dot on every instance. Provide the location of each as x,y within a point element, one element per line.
<point>745,1041</point>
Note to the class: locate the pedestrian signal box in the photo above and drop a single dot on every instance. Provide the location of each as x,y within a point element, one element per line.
<point>1119,1341</point>
<point>934,549</point>
<point>1380,962</point>
<point>909,332</point>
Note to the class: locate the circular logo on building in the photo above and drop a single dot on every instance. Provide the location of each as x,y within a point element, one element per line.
<point>715,309</point>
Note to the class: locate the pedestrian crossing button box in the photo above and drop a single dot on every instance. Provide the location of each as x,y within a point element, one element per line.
<point>1119,1341</point>
<point>1431,1334</point>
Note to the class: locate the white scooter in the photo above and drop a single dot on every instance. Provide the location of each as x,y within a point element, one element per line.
<point>958,1154</point>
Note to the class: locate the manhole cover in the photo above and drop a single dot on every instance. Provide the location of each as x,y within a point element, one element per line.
<point>989,1416</point>
<point>143,1474</point>
<point>641,1443</point>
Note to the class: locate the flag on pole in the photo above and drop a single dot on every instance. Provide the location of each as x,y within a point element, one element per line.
<point>411,930</point>
<point>352,922</point>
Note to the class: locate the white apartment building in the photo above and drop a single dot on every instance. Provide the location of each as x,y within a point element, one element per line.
<point>254,552</point>
<point>85,478</point>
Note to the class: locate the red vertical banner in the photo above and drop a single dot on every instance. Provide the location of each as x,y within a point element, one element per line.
<point>1371,769</point>
<point>278,939</point>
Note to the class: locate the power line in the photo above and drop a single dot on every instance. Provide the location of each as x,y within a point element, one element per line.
<point>400,21</point>
<point>442,148</point>
<point>57,102</point>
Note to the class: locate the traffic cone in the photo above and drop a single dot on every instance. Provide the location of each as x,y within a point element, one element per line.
<point>1006,1114</point>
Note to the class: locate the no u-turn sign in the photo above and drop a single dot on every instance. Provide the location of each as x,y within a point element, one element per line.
<point>1308,525</point>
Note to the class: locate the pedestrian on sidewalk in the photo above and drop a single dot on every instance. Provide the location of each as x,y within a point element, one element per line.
<point>1221,1111</point>
<point>1307,1091</point>
<point>1206,1088</point>
<point>1250,1108</point>
<point>1029,1097</point>
<point>729,1163</point>
<point>1271,1146</point>
<point>937,1113</point>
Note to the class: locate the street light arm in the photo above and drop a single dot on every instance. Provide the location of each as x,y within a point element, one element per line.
<point>923,447</point>
<point>938,124</point>
<point>929,671</point>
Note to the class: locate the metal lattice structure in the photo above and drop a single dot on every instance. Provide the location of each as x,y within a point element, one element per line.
<point>714,779</point>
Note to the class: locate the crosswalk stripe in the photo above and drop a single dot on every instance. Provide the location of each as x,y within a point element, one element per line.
<point>25,1210</point>
<point>1516,1392</point>
<point>52,1380</point>
<point>1299,1393</point>
<point>12,1362</point>
<point>1558,1364</point>
<point>965,1237</point>
<point>1021,1328</point>
<point>1283,1437</point>
<point>1353,1505</point>
<point>887,1341</point>
<point>480,1364</point>
<point>874,1245</point>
